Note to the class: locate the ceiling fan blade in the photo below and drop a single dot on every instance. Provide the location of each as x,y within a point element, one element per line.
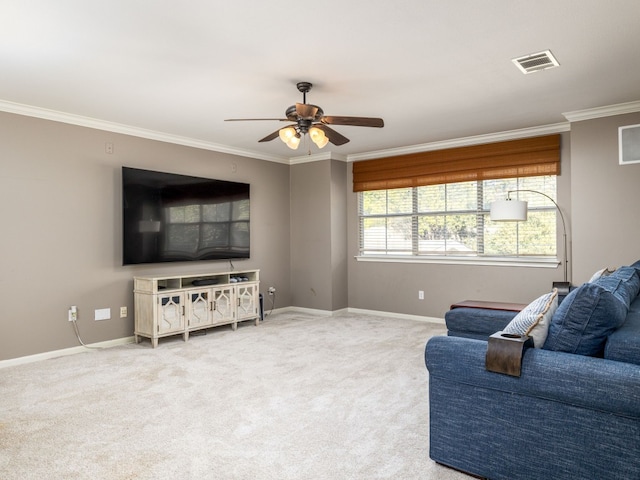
<point>353,121</point>
<point>333,136</point>
<point>306,111</point>
<point>255,119</point>
<point>270,137</point>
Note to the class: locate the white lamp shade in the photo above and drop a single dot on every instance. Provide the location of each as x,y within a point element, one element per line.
<point>508,211</point>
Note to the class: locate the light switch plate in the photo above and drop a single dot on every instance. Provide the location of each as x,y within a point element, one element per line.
<point>103,314</point>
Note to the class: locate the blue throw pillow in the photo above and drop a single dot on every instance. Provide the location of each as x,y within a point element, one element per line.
<point>584,320</point>
<point>624,283</point>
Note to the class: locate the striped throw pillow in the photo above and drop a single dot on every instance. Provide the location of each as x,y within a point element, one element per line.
<point>534,320</point>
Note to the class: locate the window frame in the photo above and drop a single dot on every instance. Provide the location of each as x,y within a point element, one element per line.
<point>476,258</point>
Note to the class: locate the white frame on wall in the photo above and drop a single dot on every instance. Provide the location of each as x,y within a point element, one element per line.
<point>629,144</point>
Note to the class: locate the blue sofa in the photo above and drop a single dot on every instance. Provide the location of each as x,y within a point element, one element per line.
<point>570,415</point>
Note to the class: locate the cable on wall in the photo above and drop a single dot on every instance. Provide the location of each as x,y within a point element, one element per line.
<point>272,299</point>
<point>75,328</point>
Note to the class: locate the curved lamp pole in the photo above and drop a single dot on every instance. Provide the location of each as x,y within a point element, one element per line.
<point>510,210</point>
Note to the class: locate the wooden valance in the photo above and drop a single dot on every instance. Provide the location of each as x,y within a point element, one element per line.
<point>527,157</point>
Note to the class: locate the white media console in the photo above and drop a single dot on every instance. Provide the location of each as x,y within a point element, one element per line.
<point>173,305</point>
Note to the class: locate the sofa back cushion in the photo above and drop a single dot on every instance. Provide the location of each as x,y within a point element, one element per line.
<point>584,320</point>
<point>623,345</point>
<point>624,283</point>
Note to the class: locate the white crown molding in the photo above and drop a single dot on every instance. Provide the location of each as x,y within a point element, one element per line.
<point>316,157</point>
<point>599,112</point>
<point>69,118</point>
<point>579,115</point>
<point>465,141</point>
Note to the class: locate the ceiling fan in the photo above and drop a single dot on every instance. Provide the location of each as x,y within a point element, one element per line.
<point>311,119</point>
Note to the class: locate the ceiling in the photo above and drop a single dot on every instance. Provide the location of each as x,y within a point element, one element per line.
<point>433,70</point>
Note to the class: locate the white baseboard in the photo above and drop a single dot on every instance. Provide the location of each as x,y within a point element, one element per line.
<point>328,313</point>
<point>64,352</point>
<point>417,318</point>
<point>309,311</point>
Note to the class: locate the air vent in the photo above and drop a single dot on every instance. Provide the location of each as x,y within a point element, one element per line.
<point>536,62</point>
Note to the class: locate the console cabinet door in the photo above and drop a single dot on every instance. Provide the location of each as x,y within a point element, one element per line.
<point>199,305</point>
<point>170,312</point>
<point>223,310</point>
<point>247,300</point>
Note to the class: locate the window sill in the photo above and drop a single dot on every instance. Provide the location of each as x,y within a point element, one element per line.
<point>480,261</point>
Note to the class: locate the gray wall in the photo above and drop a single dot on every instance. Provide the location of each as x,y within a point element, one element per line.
<point>605,195</point>
<point>60,196</point>
<point>318,235</point>
<point>339,251</point>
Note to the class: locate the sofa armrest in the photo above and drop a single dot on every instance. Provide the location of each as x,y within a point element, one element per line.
<point>586,382</point>
<point>476,322</point>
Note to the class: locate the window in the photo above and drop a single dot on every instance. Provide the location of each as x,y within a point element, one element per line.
<point>453,220</point>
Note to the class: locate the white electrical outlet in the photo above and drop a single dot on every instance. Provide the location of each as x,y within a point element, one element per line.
<point>103,314</point>
<point>123,312</point>
<point>73,313</point>
<point>420,294</point>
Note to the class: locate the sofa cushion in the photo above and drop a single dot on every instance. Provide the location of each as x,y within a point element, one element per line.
<point>624,283</point>
<point>623,345</point>
<point>535,318</point>
<point>584,320</point>
<point>636,265</point>
<point>476,322</point>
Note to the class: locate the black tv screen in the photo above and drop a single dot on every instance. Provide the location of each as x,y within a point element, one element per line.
<point>176,218</point>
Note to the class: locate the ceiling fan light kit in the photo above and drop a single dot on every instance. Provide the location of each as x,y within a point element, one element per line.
<point>290,137</point>
<point>311,119</point>
<point>318,137</point>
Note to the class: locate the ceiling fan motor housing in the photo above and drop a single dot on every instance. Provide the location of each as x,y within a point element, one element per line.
<point>295,113</point>
<point>304,125</point>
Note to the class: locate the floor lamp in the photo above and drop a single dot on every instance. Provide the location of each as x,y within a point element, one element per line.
<point>510,210</point>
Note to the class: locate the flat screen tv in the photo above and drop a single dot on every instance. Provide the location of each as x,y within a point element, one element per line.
<point>177,218</point>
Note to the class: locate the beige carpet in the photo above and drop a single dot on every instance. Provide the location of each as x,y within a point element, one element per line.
<point>298,397</point>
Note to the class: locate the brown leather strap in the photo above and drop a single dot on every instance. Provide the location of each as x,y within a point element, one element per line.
<point>505,352</point>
